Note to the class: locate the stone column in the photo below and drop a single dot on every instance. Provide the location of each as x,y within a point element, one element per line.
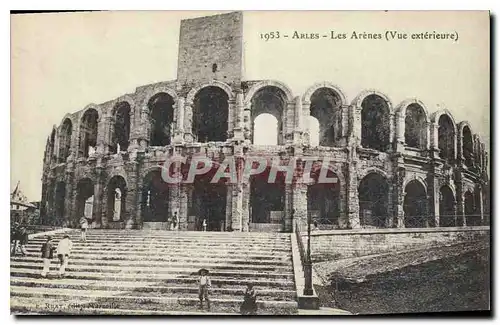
<point>131,203</point>
<point>183,207</point>
<point>188,122</point>
<point>299,128</point>
<point>237,208</point>
<point>433,198</point>
<point>398,195</point>
<point>434,147</point>
<point>354,138</point>
<point>460,219</point>
<point>245,212</point>
<point>306,113</point>
<point>100,221</point>
<point>70,188</point>
<point>400,131</point>
<point>353,211</point>
<point>102,131</point>
<point>179,129</point>
<point>428,135</point>
<point>238,129</point>
<point>288,119</point>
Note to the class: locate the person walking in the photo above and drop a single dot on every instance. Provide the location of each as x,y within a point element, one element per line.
<point>14,238</point>
<point>204,286</point>
<point>249,305</point>
<point>175,221</point>
<point>204,225</point>
<point>84,224</point>
<point>23,240</point>
<point>47,255</point>
<point>63,251</point>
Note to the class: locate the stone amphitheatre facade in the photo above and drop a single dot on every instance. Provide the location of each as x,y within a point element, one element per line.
<point>397,164</point>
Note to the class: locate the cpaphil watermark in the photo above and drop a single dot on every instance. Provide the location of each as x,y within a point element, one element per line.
<point>234,170</point>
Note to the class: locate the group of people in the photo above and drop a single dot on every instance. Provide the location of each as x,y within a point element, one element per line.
<point>249,305</point>
<point>63,250</point>
<point>19,239</point>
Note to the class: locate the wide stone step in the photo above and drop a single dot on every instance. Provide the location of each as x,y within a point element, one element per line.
<point>248,259</point>
<point>165,249</point>
<point>172,259</point>
<point>225,265</point>
<point>157,270</point>
<point>164,278</point>
<point>264,293</point>
<point>124,300</point>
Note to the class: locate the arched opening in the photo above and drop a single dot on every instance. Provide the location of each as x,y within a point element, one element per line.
<point>325,107</point>
<point>210,114</point>
<point>447,214</point>
<point>155,198</point>
<point>65,140</point>
<point>267,200</point>
<point>323,200</point>
<point>121,130</point>
<point>59,202</point>
<point>373,201</point>
<point>415,206</point>
<point>415,127</point>
<point>88,133</point>
<point>52,144</point>
<point>85,199</point>
<point>467,146</point>
<point>476,221</point>
<point>265,130</point>
<point>117,194</point>
<point>446,138</point>
<point>314,131</point>
<point>375,121</point>
<point>271,100</point>
<point>469,209</point>
<point>209,202</point>
<point>161,119</point>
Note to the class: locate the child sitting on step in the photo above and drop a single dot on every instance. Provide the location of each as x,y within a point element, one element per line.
<point>205,285</point>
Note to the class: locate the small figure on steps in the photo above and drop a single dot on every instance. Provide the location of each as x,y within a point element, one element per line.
<point>249,305</point>
<point>47,255</point>
<point>63,252</point>
<point>205,285</point>
<point>204,225</point>
<point>175,221</point>
<point>84,224</point>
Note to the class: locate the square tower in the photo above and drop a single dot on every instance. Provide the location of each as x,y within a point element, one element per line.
<point>211,48</point>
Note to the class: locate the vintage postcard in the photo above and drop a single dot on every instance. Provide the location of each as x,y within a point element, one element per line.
<point>250,163</point>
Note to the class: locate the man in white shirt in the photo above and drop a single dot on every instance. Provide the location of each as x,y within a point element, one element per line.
<point>63,251</point>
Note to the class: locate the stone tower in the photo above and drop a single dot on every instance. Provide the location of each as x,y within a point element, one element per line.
<point>211,48</point>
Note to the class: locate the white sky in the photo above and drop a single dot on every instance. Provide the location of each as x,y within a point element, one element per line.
<point>62,62</point>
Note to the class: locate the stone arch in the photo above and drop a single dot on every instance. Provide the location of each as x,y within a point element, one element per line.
<point>448,144</point>
<point>121,117</point>
<point>214,83</point>
<point>447,206</point>
<point>416,123</point>
<point>210,119</point>
<point>116,197</point>
<point>156,89</point>
<point>269,100</point>
<point>466,142</point>
<point>161,115</point>
<point>376,119</point>
<point>306,98</point>
<point>358,100</point>
<point>155,196</point>
<point>125,99</point>
<point>326,107</point>
<point>415,205</point>
<point>362,174</point>
<point>85,198</point>
<point>88,131</point>
<point>416,178</point>
<point>373,192</point>
<point>265,83</point>
<point>65,140</point>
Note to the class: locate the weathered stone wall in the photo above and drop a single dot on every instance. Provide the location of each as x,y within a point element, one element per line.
<point>208,41</point>
<point>330,245</point>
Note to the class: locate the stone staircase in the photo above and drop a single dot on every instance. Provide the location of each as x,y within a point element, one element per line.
<point>137,272</point>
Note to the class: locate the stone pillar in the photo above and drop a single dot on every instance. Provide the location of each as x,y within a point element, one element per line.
<point>306,113</point>
<point>69,219</point>
<point>480,206</point>
<point>245,215</point>
<point>131,203</point>
<point>398,195</point>
<point>434,147</point>
<point>427,135</point>
<point>100,220</point>
<point>354,138</point>
<point>433,198</point>
<point>183,207</point>
<point>237,208</point>
<point>460,211</point>
<point>179,129</point>
<point>188,122</point>
<point>298,128</point>
<point>299,206</point>
<point>238,129</point>
<point>400,131</point>
<point>102,130</point>
<point>353,211</point>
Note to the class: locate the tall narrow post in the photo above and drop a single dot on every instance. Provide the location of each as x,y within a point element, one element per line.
<point>308,290</point>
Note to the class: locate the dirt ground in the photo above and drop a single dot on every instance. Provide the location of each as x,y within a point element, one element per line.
<point>450,278</point>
